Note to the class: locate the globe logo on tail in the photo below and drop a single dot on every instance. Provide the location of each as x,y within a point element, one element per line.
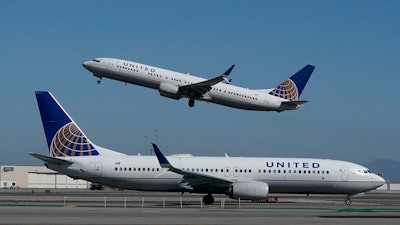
<point>287,90</point>
<point>70,141</point>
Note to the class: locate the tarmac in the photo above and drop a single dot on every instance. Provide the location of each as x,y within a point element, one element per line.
<point>132,207</point>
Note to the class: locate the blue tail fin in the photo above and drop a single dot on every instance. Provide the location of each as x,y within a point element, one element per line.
<point>64,137</point>
<point>292,88</point>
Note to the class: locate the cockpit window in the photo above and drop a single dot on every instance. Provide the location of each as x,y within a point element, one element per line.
<point>362,171</point>
<point>96,60</point>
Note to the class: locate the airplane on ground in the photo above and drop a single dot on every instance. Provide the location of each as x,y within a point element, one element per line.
<point>177,85</point>
<point>246,178</point>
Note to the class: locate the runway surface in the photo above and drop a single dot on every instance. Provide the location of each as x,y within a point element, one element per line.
<point>129,207</point>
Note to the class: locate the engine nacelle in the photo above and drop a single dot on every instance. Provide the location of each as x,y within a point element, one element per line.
<point>251,190</point>
<point>169,90</point>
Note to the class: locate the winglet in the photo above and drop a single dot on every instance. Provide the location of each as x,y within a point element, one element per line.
<point>164,163</point>
<point>229,70</point>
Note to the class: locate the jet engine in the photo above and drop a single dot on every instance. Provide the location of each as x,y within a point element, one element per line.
<point>169,90</point>
<point>252,190</point>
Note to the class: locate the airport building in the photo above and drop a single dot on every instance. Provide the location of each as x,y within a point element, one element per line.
<point>37,177</point>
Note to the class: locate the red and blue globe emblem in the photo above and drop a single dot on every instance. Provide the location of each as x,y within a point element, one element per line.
<point>70,141</point>
<point>286,90</point>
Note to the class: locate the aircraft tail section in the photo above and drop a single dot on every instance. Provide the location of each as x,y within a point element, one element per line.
<point>64,137</point>
<point>292,88</point>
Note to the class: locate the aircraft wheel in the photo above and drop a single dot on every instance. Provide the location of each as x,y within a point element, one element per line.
<point>208,199</point>
<point>347,201</point>
<point>99,81</point>
<point>191,102</point>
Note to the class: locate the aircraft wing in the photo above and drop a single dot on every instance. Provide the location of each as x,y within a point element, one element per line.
<point>192,179</point>
<point>198,89</point>
<point>50,159</point>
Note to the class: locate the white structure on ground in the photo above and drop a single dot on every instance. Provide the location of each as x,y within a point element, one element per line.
<point>36,177</point>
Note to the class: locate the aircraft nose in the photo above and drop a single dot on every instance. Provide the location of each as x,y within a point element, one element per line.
<point>86,65</point>
<point>378,180</point>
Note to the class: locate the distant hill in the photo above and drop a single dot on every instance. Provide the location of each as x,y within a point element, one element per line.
<point>389,168</point>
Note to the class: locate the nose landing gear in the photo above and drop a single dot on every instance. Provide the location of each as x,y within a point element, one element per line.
<point>99,81</point>
<point>347,201</point>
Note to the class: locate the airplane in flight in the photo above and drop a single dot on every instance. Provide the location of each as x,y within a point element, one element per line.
<point>247,178</point>
<point>177,85</point>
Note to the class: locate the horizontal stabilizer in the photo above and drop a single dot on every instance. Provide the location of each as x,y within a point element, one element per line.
<point>294,103</point>
<point>49,159</point>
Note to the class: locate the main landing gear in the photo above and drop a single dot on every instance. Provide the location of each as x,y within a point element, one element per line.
<point>208,199</point>
<point>191,102</point>
<point>99,81</point>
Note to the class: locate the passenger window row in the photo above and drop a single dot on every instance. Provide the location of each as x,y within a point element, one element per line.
<point>216,170</point>
<point>241,95</point>
<point>295,171</point>
<point>126,68</point>
<point>137,169</point>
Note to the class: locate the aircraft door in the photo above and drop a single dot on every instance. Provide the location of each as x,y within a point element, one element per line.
<point>110,64</point>
<point>345,173</point>
<point>96,167</point>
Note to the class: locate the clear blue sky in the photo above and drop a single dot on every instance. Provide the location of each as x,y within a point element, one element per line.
<point>353,113</point>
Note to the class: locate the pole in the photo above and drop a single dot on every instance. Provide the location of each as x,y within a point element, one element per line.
<point>156,131</point>
<point>145,144</point>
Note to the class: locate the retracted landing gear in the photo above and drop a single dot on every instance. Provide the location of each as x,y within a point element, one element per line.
<point>191,102</point>
<point>208,199</point>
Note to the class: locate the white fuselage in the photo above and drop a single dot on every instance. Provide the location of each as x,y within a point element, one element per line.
<point>153,77</point>
<point>283,175</point>
<point>250,178</point>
